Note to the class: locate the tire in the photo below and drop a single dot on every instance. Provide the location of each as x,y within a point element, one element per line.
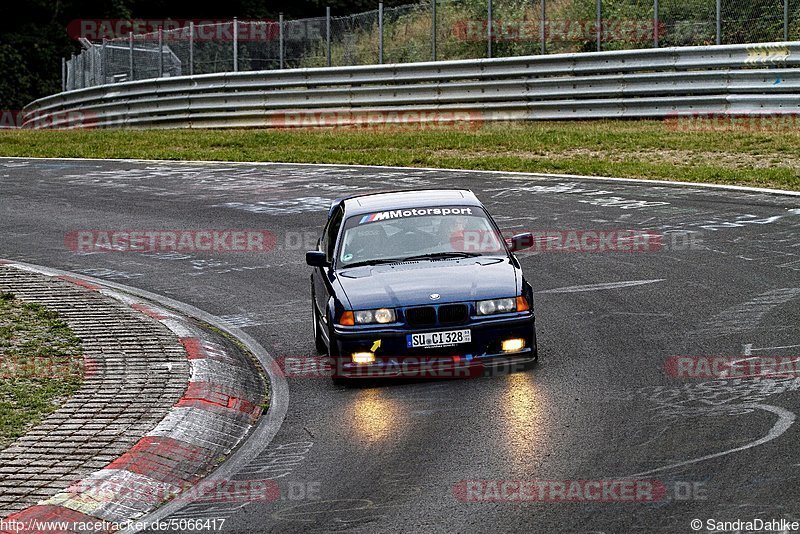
<point>319,343</point>
<point>333,354</point>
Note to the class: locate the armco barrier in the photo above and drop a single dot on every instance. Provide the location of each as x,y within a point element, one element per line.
<point>652,83</point>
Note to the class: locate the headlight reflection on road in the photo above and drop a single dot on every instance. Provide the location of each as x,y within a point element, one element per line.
<point>376,416</point>
<point>522,418</point>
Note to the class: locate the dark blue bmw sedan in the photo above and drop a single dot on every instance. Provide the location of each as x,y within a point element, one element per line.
<point>419,284</point>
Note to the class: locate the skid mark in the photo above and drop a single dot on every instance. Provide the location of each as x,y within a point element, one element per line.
<point>745,316</point>
<point>600,287</point>
<point>785,420</point>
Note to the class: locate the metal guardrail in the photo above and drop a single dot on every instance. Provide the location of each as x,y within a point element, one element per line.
<point>652,83</point>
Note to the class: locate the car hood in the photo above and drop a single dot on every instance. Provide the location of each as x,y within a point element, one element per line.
<point>412,283</point>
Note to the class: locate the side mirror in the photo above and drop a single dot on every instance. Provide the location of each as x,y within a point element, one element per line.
<point>521,242</point>
<point>316,258</point>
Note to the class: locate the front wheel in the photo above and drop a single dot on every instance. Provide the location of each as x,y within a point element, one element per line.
<point>319,343</point>
<point>333,356</point>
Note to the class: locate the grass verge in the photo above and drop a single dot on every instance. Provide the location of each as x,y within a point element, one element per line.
<point>768,157</point>
<point>40,365</point>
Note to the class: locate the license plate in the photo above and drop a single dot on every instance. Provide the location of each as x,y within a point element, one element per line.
<point>438,339</point>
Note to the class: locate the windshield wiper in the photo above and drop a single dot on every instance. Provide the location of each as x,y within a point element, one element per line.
<point>443,255</point>
<point>429,256</point>
<point>372,262</point>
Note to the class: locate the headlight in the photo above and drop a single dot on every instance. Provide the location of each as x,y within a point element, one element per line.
<point>381,315</point>
<point>489,307</point>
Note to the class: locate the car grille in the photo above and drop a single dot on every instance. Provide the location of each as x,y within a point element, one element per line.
<point>423,316</point>
<point>453,314</point>
<point>447,314</point>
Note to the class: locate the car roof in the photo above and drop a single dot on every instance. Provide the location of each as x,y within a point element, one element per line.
<point>416,198</point>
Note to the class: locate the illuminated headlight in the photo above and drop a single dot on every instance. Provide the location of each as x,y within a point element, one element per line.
<point>489,307</point>
<point>381,316</point>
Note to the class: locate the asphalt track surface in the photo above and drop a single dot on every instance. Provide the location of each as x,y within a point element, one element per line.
<point>598,406</point>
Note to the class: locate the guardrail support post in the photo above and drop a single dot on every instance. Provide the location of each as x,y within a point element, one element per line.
<point>380,33</point>
<point>235,44</point>
<point>543,26</point>
<point>719,22</point>
<point>191,48</point>
<point>599,25</point>
<point>433,30</point>
<point>280,37</point>
<point>328,32</point>
<point>489,24</point>
<point>655,24</point>
<point>160,51</point>
<point>130,55</point>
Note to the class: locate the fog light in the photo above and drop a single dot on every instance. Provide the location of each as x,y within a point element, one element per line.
<point>513,345</point>
<point>363,357</point>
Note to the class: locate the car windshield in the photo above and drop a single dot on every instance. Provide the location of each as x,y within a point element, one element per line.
<point>418,233</point>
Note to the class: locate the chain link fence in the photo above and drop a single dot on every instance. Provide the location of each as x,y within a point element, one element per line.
<point>430,30</point>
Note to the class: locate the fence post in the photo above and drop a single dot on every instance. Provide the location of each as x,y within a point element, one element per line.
<point>543,26</point>
<point>280,37</point>
<point>328,32</point>
<point>433,30</point>
<point>380,33</point>
<point>63,74</point>
<point>103,58</point>
<point>599,25</point>
<point>97,58</point>
<point>160,51</point>
<point>130,55</point>
<point>785,20</point>
<point>655,24</point>
<point>91,75</point>
<point>489,24</point>
<point>719,22</point>
<point>191,48</point>
<point>235,44</point>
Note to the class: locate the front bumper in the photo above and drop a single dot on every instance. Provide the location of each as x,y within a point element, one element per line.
<point>395,359</point>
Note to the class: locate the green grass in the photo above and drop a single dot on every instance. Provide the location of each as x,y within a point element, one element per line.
<point>631,149</point>
<point>40,365</point>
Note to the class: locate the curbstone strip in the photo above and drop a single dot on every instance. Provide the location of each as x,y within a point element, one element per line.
<point>211,408</point>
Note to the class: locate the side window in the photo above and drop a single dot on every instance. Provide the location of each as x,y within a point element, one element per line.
<point>332,230</point>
